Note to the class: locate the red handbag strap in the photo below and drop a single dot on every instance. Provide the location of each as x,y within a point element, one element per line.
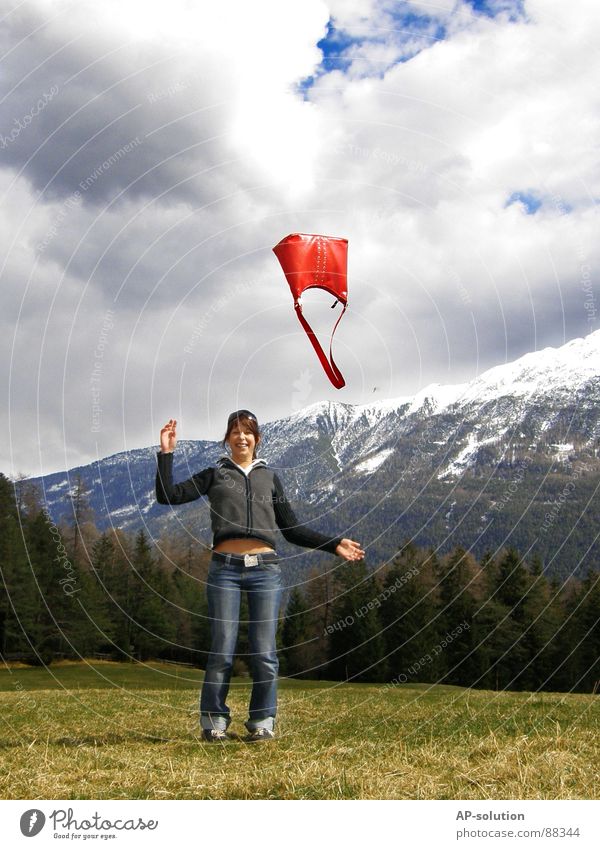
<point>331,370</point>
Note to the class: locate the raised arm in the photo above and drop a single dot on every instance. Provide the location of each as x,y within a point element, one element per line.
<point>168,492</point>
<point>300,534</point>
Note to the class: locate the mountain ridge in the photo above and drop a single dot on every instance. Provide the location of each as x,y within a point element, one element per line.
<point>336,459</point>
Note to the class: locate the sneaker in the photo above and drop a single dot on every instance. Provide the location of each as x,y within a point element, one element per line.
<point>215,735</point>
<point>259,735</point>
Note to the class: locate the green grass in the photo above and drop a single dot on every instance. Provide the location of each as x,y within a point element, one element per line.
<point>104,730</point>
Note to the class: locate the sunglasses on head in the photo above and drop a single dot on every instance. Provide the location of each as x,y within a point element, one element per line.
<point>242,414</point>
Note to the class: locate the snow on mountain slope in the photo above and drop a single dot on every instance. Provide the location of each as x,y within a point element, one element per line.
<point>546,401</point>
<point>525,397</point>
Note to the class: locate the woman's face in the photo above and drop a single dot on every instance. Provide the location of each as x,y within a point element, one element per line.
<point>242,443</point>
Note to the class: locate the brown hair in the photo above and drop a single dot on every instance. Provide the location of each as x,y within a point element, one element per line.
<point>252,426</point>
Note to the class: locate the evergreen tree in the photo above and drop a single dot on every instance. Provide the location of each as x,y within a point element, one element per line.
<point>408,616</point>
<point>186,564</point>
<point>49,609</point>
<point>27,496</point>
<point>357,647</point>
<point>508,644</point>
<point>587,633</point>
<point>458,574</point>
<point>106,593</point>
<point>151,626</point>
<point>191,618</point>
<point>296,635</point>
<point>319,602</point>
<point>13,565</point>
<point>80,520</point>
<point>541,619</point>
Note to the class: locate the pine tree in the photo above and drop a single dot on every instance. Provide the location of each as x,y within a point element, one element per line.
<point>508,643</point>
<point>296,635</point>
<point>588,635</point>
<point>151,626</point>
<point>49,609</point>
<point>13,565</point>
<point>357,647</point>
<point>191,618</point>
<point>565,649</point>
<point>319,600</point>
<point>541,619</point>
<point>408,616</point>
<point>80,519</point>
<point>458,575</point>
<point>186,564</point>
<point>106,593</point>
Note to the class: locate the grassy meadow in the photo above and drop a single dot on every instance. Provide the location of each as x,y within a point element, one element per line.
<point>102,730</point>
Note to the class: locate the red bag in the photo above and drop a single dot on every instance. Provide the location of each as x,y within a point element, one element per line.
<point>316,262</point>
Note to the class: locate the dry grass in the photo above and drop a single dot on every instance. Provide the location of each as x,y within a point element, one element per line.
<point>113,731</point>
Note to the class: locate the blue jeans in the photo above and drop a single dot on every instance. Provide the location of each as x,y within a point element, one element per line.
<point>224,586</point>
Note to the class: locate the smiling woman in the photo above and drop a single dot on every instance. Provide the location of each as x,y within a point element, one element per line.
<point>247,506</point>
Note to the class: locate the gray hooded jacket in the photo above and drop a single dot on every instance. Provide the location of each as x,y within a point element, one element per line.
<point>243,503</point>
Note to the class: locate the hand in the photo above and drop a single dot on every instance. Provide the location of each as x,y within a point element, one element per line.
<point>350,550</point>
<point>168,436</point>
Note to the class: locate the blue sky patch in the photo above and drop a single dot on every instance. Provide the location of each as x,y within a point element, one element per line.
<point>493,8</point>
<point>400,26</point>
<point>528,199</point>
<point>333,45</point>
<point>406,27</point>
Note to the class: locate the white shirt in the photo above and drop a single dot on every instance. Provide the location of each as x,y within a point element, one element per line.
<point>258,462</point>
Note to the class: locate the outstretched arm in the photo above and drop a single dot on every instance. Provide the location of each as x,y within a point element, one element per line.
<point>300,534</point>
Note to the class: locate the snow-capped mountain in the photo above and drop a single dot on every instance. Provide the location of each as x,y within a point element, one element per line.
<point>430,466</point>
<point>547,399</point>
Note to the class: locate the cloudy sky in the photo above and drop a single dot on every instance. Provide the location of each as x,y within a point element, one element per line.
<point>151,155</point>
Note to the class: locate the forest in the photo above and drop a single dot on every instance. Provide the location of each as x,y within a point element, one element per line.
<point>69,590</point>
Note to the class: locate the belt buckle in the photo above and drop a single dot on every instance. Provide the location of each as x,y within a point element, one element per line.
<point>250,560</point>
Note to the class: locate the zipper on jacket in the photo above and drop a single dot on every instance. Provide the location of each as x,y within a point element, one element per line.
<point>248,511</point>
<point>249,517</point>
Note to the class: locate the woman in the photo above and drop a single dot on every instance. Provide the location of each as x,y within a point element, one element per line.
<point>247,505</point>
